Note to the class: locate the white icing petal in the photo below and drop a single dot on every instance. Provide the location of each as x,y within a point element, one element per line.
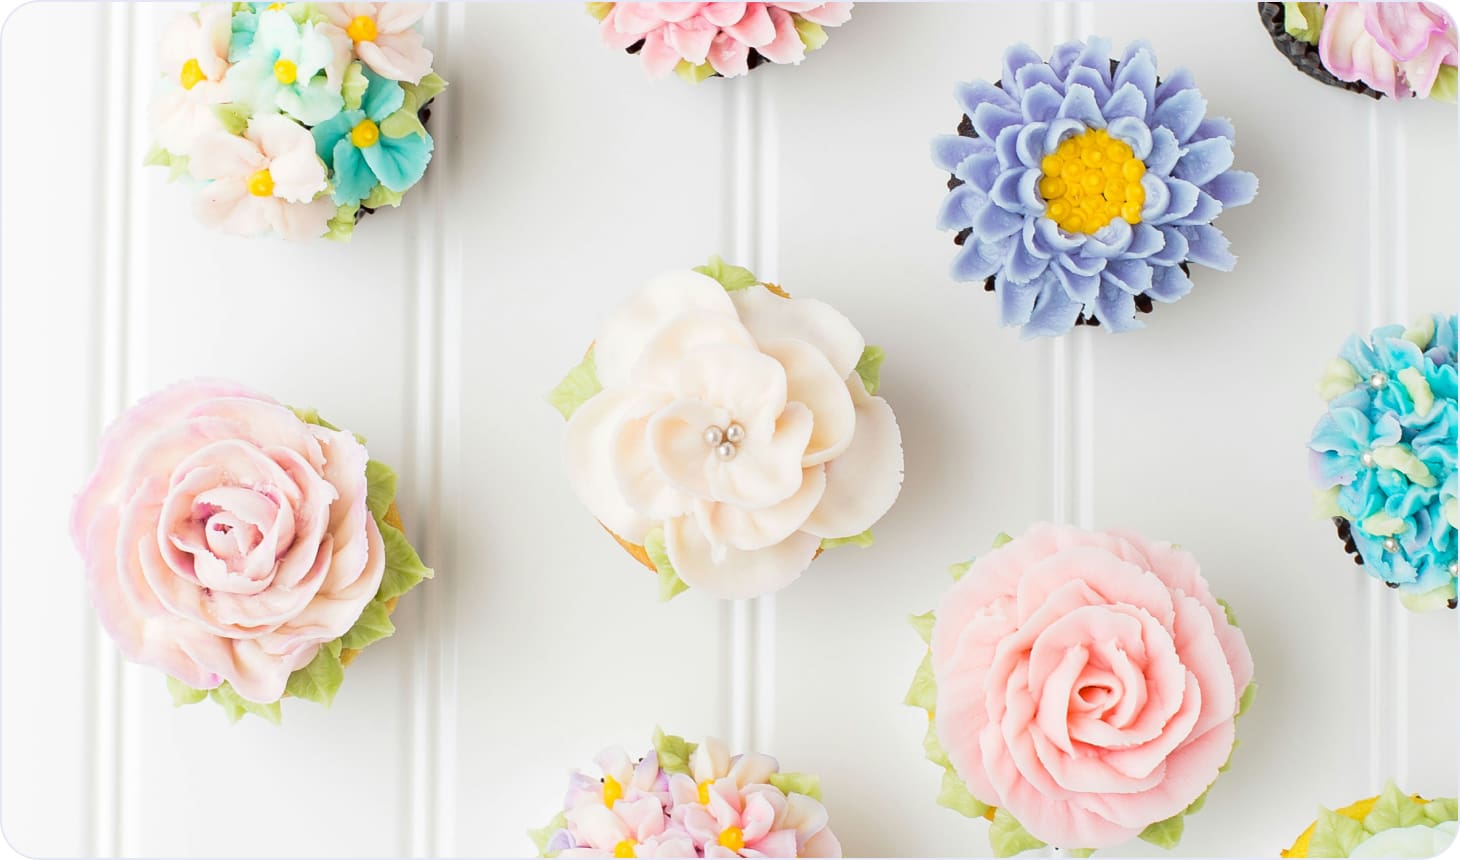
<point>812,380</point>
<point>746,383</point>
<point>676,440</point>
<point>740,574</point>
<point>1417,841</point>
<point>680,337</point>
<point>643,484</point>
<point>634,324</point>
<point>864,481</point>
<point>770,317</point>
<point>765,471</point>
<point>729,526</point>
<point>588,456</point>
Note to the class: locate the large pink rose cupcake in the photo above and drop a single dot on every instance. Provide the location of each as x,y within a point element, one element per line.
<point>246,549</point>
<point>1082,689</point>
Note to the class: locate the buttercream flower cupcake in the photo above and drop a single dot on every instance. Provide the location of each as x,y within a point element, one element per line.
<point>296,119</point>
<point>705,40</point>
<point>1082,689</point>
<point>1083,188</point>
<point>687,800</point>
<point>1399,50</point>
<point>726,433</point>
<point>1383,457</point>
<point>247,550</point>
<point>1391,825</point>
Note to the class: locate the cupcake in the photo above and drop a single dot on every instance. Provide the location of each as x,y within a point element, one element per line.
<point>1383,457</point>
<point>1392,825</point>
<point>725,433</point>
<point>1399,50</point>
<point>711,40</point>
<point>687,800</point>
<point>296,119</point>
<point>1083,188</point>
<point>246,549</point>
<point>1082,689</point>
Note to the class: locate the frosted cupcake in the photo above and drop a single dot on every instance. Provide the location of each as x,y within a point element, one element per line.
<point>1391,825</point>
<point>709,40</point>
<point>1083,188</point>
<point>1082,690</point>
<point>1383,457</point>
<point>686,800</point>
<point>726,434</point>
<point>247,550</point>
<point>1399,50</point>
<point>295,119</point>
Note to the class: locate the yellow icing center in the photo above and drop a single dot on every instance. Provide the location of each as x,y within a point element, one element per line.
<point>612,792</point>
<point>276,7</point>
<point>624,848</point>
<point>285,72</point>
<point>191,75</point>
<point>365,134</point>
<point>261,184</point>
<point>1090,180</point>
<point>362,29</point>
<point>705,793</point>
<point>732,838</point>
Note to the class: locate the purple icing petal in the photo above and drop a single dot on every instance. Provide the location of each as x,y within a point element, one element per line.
<point>1158,197</point>
<point>995,222</point>
<point>1168,283</point>
<point>1233,188</point>
<point>1165,150</point>
<point>1080,104</point>
<point>1060,129</point>
<point>1181,113</point>
<point>979,170</point>
<point>1030,203</point>
<point>1050,239</point>
<point>1064,56</point>
<point>1007,146</point>
<point>1133,276</point>
<point>1112,240</point>
<point>1139,46</point>
<point>1116,309</point>
<point>977,260</point>
<point>959,207</point>
<point>1005,192</point>
<point>1183,200</point>
<point>975,93</point>
<point>1127,101</point>
<point>1177,82</point>
<point>1174,251</point>
<point>1145,241</point>
<point>1031,240</point>
<point>1139,72</point>
<point>1041,103</point>
<point>1215,126</point>
<point>950,150</point>
<point>1208,247</point>
<point>1092,79</point>
<point>1054,313</point>
<point>1096,57</point>
<point>1032,76</point>
<point>1029,145</point>
<point>1023,265</point>
<point>989,120</point>
<point>1204,160</point>
<point>1079,264</point>
<point>1016,301</point>
<point>1206,211</point>
<point>1016,58</point>
<point>1134,132</point>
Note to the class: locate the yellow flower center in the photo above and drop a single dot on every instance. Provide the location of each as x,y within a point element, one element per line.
<point>732,838</point>
<point>624,848</point>
<point>191,75</point>
<point>285,72</point>
<point>705,792</point>
<point>261,184</point>
<point>276,7</point>
<point>365,134</point>
<point>612,792</point>
<point>1090,180</point>
<point>362,29</point>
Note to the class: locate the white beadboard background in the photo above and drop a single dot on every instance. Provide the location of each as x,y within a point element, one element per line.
<point>564,178</point>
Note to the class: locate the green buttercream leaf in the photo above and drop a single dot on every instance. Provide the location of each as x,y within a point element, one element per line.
<point>1227,611</point>
<point>1325,504</point>
<point>670,585</point>
<point>403,567</point>
<point>1446,86</point>
<point>312,416</point>
<point>235,706</point>
<point>342,227</point>
<point>1339,378</point>
<point>182,694</point>
<point>599,10</point>
<point>958,570</point>
<point>924,625</point>
<point>1078,852</point>
<point>320,680</point>
<point>869,367</point>
<point>732,278</point>
<point>1165,834</point>
<point>1335,835</point>
<point>380,482</point>
<point>1440,810</point>
<point>954,795</point>
<point>1249,695</point>
<point>1382,524</point>
<point>372,625</point>
<point>674,752</point>
<point>1419,390</point>
<point>811,33</point>
<point>233,116</point>
<point>542,835</point>
<point>1303,21</point>
<point>1401,459</point>
<point>381,196</point>
<point>1008,837</point>
<point>863,540</point>
<point>1394,809</point>
<point>933,748</point>
<point>924,690</point>
<point>157,157</point>
<point>798,783</point>
<point>429,88</point>
<point>692,73</point>
<point>1000,539</point>
<point>177,165</point>
<point>1196,805</point>
<point>401,123</point>
<point>354,85</point>
<point>577,387</point>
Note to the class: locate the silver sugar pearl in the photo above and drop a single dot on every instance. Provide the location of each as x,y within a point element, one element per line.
<point>1367,458</point>
<point>714,435</point>
<point>1391,545</point>
<point>1379,379</point>
<point>735,433</point>
<point>726,451</point>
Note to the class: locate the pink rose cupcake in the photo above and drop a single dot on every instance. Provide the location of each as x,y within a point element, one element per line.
<point>246,549</point>
<point>1082,689</point>
<point>704,40</point>
<point>1399,50</point>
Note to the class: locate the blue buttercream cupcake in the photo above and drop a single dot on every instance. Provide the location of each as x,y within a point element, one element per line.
<point>1383,457</point>
<point>1083,187</point>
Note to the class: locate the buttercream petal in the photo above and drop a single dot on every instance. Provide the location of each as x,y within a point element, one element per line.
<point>770,317</point>
<point>738,575</point>
<point>400,162</point>
<point>399,56</point>
<point>743,529</point>
<point>588,451</point>
<point>812,381</point>
<point>629,329</point>
<point>767,467</point>
<point>1208,247</point>
<point>862,483</point>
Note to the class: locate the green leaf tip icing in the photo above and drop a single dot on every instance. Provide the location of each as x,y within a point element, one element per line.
<point>380,196</point>
<point>320,680</point>
<point>235,706</point>
<point>542,835</point>
<point>674,752</point>
<point>732,278</point>
<point>954,795</point>
<point>233,116</point>
<point>1002,538</point>
<point>1249,694</point>
<point>177,165</point>
<point>342,227</point>
<point>1165,834</point>
<point>1393,809</point>
<point>1447,84</point>
<point>923,624</point>
<point>670,585</point>
<point>863,540</point>
<point>869,367</point>
<point>812,34</point>
<point>1008,837</point>
<point>403,567</point>
<point>182,694</point>
<point>1335,835</point>
<point>577,387</point>
<point>694,74</point>
<point>1303,21</point>
<point>798,783</point>
<point>354,85</point>
<point>372,625</point>
<point>923,693</point>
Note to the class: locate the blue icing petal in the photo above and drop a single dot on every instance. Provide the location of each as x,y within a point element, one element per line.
<point>1139,72</point>
<point>1158,198</point>
<point>1116,308</point>
<point>972,95</point>
<point>1007,147</point>
<point>950,150</point>
<point>1134,132</point>
<point>1023,265</point>
<point>1080,104</point>
<point>1128,101</point>
<point>1183,200</point>
<point>1132,276</point>
<point>1063,57</point>
<point>1041,103</point>
<point>980,170</point>
<point>995,222</point>
<point>1054,312</point>
<point>1233,188</point>
<point>1168,284</point>
<point>1079,286</point>
<point>1095,57</point>
<point>1112,240</point>
<point>353,177</point>
<point>1032,76</point>
<point>400,162</point>
<point>1204,160</point>
<point>1206,210</point>
<point>1091,80</point>
<point>1005,194</point>
<point>332,131</point>
<point>1181,113</point>
<point>1016,58</point>
<point>989,120</point>
<point>1016,300</point>
<point>1145,241</point>
<point>977,260</point>
<point>382,97</point>
<point>1029,144</point>
<point>1208,247</point>
<point>1165,150</point>
<point>1215,126</point>
<point>1179,81</point>
<point>959,206</point>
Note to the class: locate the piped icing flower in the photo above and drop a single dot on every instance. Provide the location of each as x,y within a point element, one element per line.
<point>701,40</point>
<point>725,433</point>
<point>354,79</point>
<point>1399,50</point>
<point>1082,689</point>
<point>247,550</point>
<point>1383,457</point>
<point>1083,188</point>
<point>1392,825</point>
<point>689,800</point>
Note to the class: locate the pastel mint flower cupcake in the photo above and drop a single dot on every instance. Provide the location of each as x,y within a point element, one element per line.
<point>1383,457</point>
<point>1084,187</point>
<point>1391,825</point>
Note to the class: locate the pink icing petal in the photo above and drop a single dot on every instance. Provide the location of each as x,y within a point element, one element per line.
<point>297,222</point>
<point>756,28</point>
<point>398,56</point>
<point>825,14</point>
<point>612,36</point>
<point>1351,54</point>
<point>724,14</point>
<point>787,46</point>
<point>823,844</point>
<point>658,56</point>
<point>227,205</point>
<point>756,822</point>
<point>220,155</point>
<point>752,769</point>
<point>728,56</point>
<point>1403,30</point>
<point>691,40</point>
<point>397,17</point>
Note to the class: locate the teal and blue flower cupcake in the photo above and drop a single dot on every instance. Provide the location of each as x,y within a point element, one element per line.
<point>1083,187</point>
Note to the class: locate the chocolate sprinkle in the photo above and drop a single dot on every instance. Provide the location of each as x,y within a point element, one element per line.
<point>1302,55</point>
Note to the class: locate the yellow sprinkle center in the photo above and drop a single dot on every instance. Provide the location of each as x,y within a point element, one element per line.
<point>285,72</point>
<point>705,793</point>
<point>191,75</point>
<point>276,7</point>
<point>362,29</point>
<point>365,134</point>
<point>732,838</point>
<point>612,791</point>
<point>624,848</point>
<point>1090,180</point>
<point>261,184</point>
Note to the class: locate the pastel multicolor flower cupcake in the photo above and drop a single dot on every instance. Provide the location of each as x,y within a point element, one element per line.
<point>1082,689</point>
<point>1083,188</point>
<point>1399,50</point>
<point>295,119</point>
<point>689,800</point>
<point>1383,457</point>
<point>726,434</point>
<point>1392,825</point>
<point>246,549</point>
<point>704,40</point>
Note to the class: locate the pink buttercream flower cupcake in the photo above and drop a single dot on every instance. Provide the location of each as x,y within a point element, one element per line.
<point>246,549</point>
<point>1399,50</point>
<point>1082,689</point>
<point>702,40</point>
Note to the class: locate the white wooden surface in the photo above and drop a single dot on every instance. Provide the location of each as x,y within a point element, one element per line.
<point>563,179</point>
